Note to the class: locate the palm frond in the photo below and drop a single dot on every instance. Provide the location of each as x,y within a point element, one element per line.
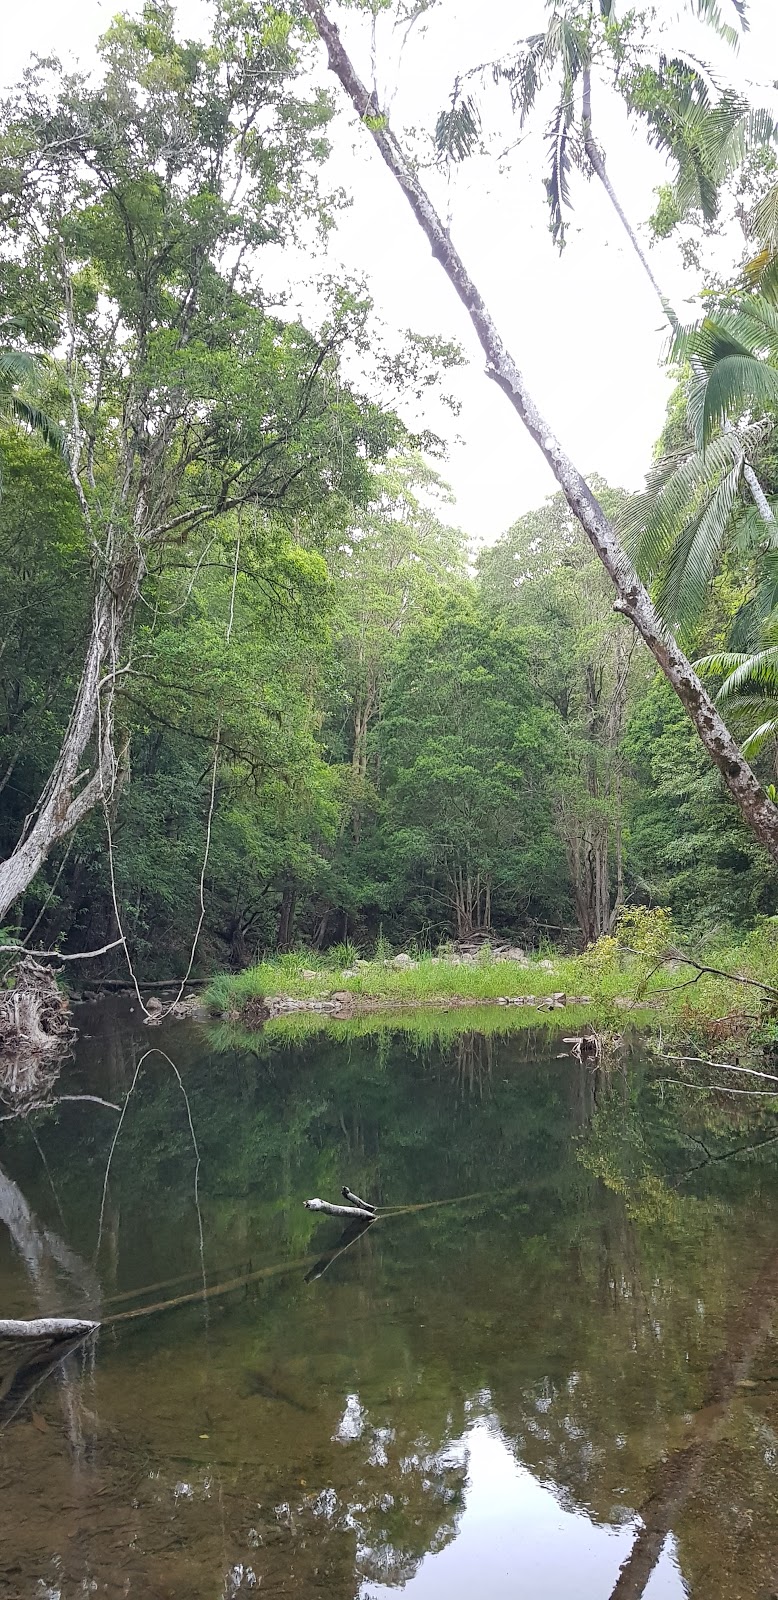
<point>524,73</point>
<point>686,576</point>
<point>458,129</point>
<point>706,135</point>
<point>756,674</point>
<point>16,366</point>
<point>677,490</point>
<point>557,183</point>
<point>765,220</point>
<point>14,409</point>
<point>736,384</point>
<point>710,11</point>
<point>720,663</point>
<point>755,742</point>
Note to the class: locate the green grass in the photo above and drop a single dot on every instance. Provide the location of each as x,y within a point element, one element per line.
<point>431,981</point>
<point>609,974</point>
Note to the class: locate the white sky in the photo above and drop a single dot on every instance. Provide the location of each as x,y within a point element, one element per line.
<point>585,328</point>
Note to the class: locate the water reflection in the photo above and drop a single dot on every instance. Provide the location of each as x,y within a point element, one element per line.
<point>515,1541</point>
<point>551,1374</point>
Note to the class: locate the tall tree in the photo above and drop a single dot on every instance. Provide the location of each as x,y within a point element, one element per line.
<point>543,579</point>
<point>703,133</point>
<point>132,213</point>
<point>632,599</point>
<point>465,750</point>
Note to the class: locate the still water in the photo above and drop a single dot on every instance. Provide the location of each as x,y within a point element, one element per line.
<point>549,1371</point>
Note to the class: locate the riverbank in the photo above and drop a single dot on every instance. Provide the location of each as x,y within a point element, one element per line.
<point>723,992</point>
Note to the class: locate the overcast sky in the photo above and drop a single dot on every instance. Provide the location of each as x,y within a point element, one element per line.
<point>585,328</point>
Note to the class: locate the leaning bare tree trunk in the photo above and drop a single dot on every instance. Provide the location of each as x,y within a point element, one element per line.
<point>67,798</point>
<point>632,599</point>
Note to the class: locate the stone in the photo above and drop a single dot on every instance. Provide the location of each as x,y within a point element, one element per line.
<point>308,974</point>
<point>403,960</point>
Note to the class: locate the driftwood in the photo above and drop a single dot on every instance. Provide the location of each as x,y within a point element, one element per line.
<point>339,1211</point>
<point>34,1016</point>
<point>51,1328</point>
<point>354,1200</point>
<point>586,1044</point>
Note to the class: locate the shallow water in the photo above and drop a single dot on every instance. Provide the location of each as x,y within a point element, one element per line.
<point>557,1377</point>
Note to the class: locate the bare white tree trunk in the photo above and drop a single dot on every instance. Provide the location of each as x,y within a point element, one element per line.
<point>632,599</point>
<point>74,788</point>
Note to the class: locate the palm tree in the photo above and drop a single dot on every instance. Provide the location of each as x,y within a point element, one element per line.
<point>694,507</point>
<point>706,139</point>
<point>21,371</point>
<point>705,135</point>
<point>750,688</point>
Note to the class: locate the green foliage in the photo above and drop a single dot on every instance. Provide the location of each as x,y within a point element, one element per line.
<point>687,847</point>
<point>647,929</point>
<point>382,749</point>
<point>461,739</point>
<point>708,132</point>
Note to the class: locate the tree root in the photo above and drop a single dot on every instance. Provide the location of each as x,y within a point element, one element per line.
<point>35,1029</point>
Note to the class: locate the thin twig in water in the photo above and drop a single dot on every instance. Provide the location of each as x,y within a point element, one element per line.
<point>727,1155</point>
<point>719,1088</point>
<point>122,936</point>
<point>114,1143</point>
<point>723,1066</point>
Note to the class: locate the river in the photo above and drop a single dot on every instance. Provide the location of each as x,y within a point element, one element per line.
<point>546,1371</point>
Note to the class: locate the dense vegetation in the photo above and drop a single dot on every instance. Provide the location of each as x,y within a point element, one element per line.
<point>291,702</point>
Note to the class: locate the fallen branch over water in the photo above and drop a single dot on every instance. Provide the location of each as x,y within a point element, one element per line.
<point>701,970</point>
<point>46,1328</point>
<point>339,1211</point>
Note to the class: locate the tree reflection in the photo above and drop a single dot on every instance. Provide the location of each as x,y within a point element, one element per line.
<point>580,1299</point>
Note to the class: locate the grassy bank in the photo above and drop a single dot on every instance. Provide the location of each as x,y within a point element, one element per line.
<point>640,970</point>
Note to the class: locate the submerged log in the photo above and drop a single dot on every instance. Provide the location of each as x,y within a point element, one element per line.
<point>586,1044</point>
<point>339,1211</point>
